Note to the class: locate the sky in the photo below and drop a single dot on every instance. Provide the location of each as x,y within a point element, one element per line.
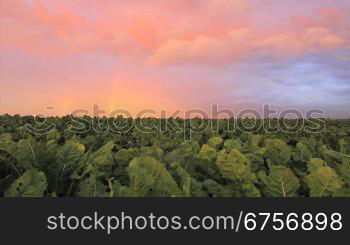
<point>174,55</point>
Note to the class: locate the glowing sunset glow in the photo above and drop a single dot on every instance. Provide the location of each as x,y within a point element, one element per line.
<point>166,54</point>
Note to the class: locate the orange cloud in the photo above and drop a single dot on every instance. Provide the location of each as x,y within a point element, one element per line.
<point>205,49</point>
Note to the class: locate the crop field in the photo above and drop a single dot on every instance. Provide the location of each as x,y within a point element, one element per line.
<point>148,160</point>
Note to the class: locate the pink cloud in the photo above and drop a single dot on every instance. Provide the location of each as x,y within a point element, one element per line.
<point>305,35</point>
<point>167,32</point>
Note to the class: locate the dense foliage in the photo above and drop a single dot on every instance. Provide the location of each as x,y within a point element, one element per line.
<point>100,162</point>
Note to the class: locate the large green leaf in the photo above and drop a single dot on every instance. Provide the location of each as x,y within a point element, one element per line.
<point>314,164</point>
<point>323,182</point>
<point>184,152</point>
<point>254,141</point>
<point>148,177</point>
<point>333,157</point>
<point>215,142</point>
<point>302,152</point>
<point>234,166</point>
<point>24,152</point>
<point>231,144</point>
<point>69,154</point>
<point>207,153</point>
<point>92,187</point>
<point>103,156</point>
<point>277,152</point>
<point>100,161</point>
<point>281,182</point>
<point>7,144</point>
<point>31,184</point>
<point>27,154</point>
<point>66,161</point>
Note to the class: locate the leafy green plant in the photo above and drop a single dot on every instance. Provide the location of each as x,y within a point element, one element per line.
<point>148,176</point>
<point>277,152</point>
<point>281,182</point>
<point>322,180</point>
<point>152,163</point>
<point>31,184</point>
